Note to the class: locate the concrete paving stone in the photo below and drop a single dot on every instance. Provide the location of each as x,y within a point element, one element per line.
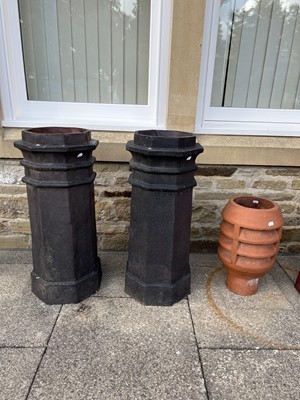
<point>211,329</point>
<point>25,320</point>
<point>19,257</point>
<point>250,374</point>
<point>283,282</point>
<point>113,274</point>
<point>271,315</point>
<point>17,370</point>
<point>268,295</point>
<point>118,349</point>
<point>114,268</point>
<point>223,319</point>
<point>291,265</point>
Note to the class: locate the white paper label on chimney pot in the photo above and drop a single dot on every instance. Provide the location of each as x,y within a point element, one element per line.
<point>271,223</point>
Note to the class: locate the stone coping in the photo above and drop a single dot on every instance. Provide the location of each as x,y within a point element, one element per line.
<point>218,149</point>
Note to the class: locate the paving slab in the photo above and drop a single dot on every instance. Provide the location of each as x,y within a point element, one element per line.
<point>113,266</point>
<point>286,286</point>
<point>17,370</point>
<point>112,347</point>
<point>290,264</point>
<point>25,320</point>
<point>119,349</point>
<point>251,374</point>
<point>211,329</point>
<point>222,319</point>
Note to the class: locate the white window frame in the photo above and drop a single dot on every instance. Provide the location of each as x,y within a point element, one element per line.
<point>19,112</point>
<point>230,120</point>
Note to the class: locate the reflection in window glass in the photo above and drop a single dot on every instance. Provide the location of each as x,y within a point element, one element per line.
<point>257,62</point>
<point>89,51</point>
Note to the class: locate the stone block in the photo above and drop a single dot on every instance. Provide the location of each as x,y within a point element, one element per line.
<point>103,209</point>
<point>13,189</point>
<point>100,167</point>
<point>296,184</point>
<point>15,241</point>
<point>270,185</point>
<point>194,230</point>
<point>122,209</point>
<point>291,234</point>
<point>231,184</point>
<point>115,242</point>
<point>11,174</point>
<point>13,206</point>
<point>105,179</point>
<point>291,220</point>
<point>20,226</point>
<point>276,195</point>
<point>215,170</point>
<point>4,226</point>
<point>122,179</point>
<point>205,212</point>
<point>203,183</point>
<point>198,195</point>
<point>283,171</point>
<point>112,228</point>
<point>248,172</point>
<point>287,208</point>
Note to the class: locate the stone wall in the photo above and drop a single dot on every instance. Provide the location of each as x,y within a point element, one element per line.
<point>215,185</point>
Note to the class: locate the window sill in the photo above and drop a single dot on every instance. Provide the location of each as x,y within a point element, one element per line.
<point>250,150</point>
<point>218,149</point>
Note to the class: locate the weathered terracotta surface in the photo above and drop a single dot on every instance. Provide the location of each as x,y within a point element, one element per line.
<point>249,241</point>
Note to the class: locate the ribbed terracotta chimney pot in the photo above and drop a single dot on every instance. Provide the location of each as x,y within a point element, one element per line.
<point>249,241</point>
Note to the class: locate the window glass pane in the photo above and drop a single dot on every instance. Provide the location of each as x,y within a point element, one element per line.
<point>257,62</point>
<point>89,51</point>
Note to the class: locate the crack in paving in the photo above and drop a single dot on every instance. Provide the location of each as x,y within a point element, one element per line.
<point>20,347</point>
<point>198,350</point>
<point>44,353</point>
<point>262,349</point>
